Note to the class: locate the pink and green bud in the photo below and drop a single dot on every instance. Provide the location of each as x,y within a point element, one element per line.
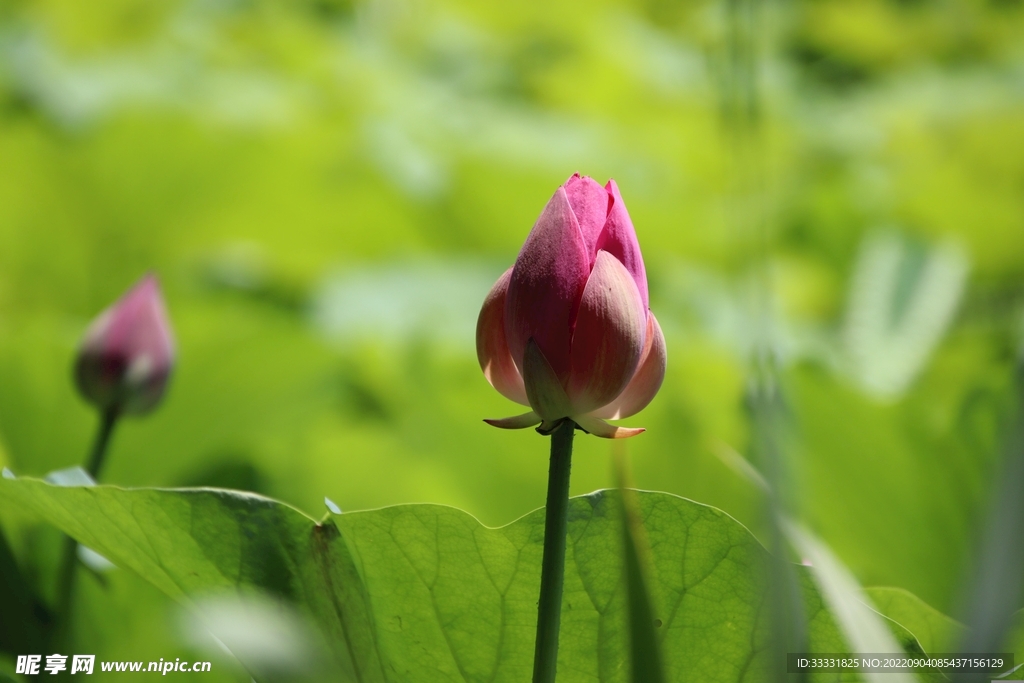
<point>127,354</point>
<point>567,330</point>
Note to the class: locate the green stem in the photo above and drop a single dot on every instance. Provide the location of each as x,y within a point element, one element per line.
<point>69,556</point>
<point>552,576</point>
<point>99,446</point>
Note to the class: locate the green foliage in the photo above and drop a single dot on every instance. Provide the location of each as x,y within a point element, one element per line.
<point>426,593</point>
<point>934,630</point>
<point>274,162</point>
<point>22,627</point>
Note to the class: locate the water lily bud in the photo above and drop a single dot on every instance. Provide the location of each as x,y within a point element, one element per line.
<point>127,353</point>
<point>567,330</point>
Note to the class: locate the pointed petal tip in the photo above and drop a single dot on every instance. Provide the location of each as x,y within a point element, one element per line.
<point>590,203</point>
<point>619,238</point>
<point>625,432</point>
<point>602,429</point>
<point>148,283</point>
<point>545,285</point>
<point>516,421</point>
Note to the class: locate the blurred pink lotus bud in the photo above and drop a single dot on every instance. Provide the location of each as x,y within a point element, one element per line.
<point>127,353</point>
<point>567,329</point>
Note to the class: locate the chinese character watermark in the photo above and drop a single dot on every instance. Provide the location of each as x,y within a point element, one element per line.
<point>82,664</point>
<point>28,664</point>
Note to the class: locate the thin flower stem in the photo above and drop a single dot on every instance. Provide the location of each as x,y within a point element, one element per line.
<point>99,446</point>
<point>69,556</point>
<point>549,608</point>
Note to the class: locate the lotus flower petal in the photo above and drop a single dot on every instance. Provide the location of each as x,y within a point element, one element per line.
<point>598,427</point>
<point>516,422</point>
<point>619,239</point>
<point>589,202</point>
<point>545,287</point>
<point>492,347</point>
<point>609,336</point>
<point>646,382</point>
<point>547,397</point>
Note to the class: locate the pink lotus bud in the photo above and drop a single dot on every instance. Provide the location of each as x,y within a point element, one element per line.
<point>567,330</point>
<point>127,353</point>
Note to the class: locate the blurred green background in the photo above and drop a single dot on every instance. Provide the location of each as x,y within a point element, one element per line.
<point>327,189</point>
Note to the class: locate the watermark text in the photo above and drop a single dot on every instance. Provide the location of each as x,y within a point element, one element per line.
<point>32,665</point>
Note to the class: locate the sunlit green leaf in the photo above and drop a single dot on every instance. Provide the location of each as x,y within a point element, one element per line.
<point>425,593</point>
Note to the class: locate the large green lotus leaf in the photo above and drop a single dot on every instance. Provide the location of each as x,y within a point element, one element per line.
<point>426,593</point>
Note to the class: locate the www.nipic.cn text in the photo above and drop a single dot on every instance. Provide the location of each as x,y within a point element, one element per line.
<point>85,664</point>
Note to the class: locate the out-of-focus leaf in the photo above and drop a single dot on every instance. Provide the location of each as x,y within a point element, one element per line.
<point>22,627</point>
<point>436,300</point>
<point>902,300</point>
<point>93,560</point>
<point>644,650</point>
<point>891,491</point>
<point>425,593</point>
<point>934,630</point>
<point>825,635</point>
<point>865,629</point>
<point>937,632</point>
<point>997,582</point>
<point>1015,644</point>
<point>268,635</point>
